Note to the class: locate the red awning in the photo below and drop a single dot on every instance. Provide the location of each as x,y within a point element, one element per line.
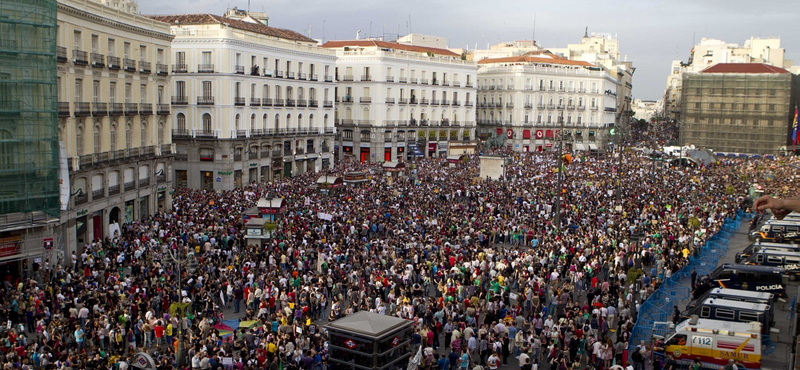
<point>526,134</point>
<point>548,134</point>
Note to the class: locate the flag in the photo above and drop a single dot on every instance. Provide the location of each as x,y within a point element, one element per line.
<point>794,128</point>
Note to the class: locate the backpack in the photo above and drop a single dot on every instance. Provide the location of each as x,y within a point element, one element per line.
<point>637,356</point>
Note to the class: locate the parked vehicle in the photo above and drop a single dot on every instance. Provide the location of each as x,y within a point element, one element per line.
<point>715,342</point>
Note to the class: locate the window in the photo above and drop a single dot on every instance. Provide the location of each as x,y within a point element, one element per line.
<point>143,138</point>
<point>79,140</point>
<point>725,314</point>
<point>97,139</point>
<point>206,122</point>
<point>126,50</point>
<point>112,92</point>
<point>678,339</point>
<point>206,57</point>
<point>77,40</point>
<point>96,91</point>
<point>129,133</point>
<point>112,47</point>
<point>128,93</point>
<point>78,89</point>
<point>180,88</point>
<point>180,59</point>
<point>207,89</point>
<point>113,141</point>
<point>143,93</point>
<point>748,317</point>
<point>181,122</point>
<point>705,311</point>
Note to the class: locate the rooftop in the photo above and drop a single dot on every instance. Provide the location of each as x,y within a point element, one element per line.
<point>743,68</point>
<point>388,45</point>
<point>540,56</point>
<point>203,19</point>
<point>369,324</point>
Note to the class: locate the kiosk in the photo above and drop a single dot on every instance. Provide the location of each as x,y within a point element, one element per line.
<point>328,184</point>
<point>369,341</point>
<point>355,178</point>
<point>454,160</point>
<point>260,226</point>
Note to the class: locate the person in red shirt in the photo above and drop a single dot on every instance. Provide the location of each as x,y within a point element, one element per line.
<point>159,330</point>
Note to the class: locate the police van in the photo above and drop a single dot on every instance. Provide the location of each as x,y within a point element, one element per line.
<point>733,295</point>
<point>780,231</point>
<point>749,277</point>
<point>757,246</point>
<point>715,342</point>
<point>736,311</point>
<point>789,261</point>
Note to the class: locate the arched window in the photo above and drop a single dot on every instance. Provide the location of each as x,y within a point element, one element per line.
<point>277,123</point>
<point>236,122</point>
<point>129,134</point>
<point>97,139</point>
<point>207,123</point>
<point>143,138</point>
<point>181,123</point>
<point>311,122</point>
<point>253,122</point>
<point>113,140</point>
<point>79,140</point>
<point>264,123</point>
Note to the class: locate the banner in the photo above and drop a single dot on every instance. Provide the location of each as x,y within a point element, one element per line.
<point>63,176</point>
<point>325,216</point>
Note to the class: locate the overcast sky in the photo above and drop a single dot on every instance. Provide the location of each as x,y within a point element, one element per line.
<point>651,33</point>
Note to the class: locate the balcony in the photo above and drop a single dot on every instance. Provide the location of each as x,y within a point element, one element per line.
<point>180,100</point>
<point>312,77</point>
<point>366,78</point>
<point>365,99</point>
<point>328,78</point>
<point>61,54</point>
<point>347,78</point>
<point>144,67</point>
<point>402,80</point>
<point>594,107</point>
<point>81,198</point>
<point>181,133</point>
<point>581,107</point>
<point>205,68</point>
<point>468,85</point>
<point>239,70</point>
<point>115,109</point>
<point>302,103</point>
<point>551,106</point>
<point>180,68</point>
<point>99,109</point>
<point>113,189</point>
<point>162,109</point>
<point>146,109</point>
<point>389,78</point>
<point>424,101</point>
<point>347,99</point>
<point>434,82</point>
<point>162,178</point>
<point>445,102</point>
<point>255,102</point>
<point>445,83</point>
<point>528,105</point>
<point>610,109</point>
<point>290,75</point>
<point>238,101</point>
<point>414,80</point>
<point>80,58</point>
<point>313,103</point>
<point>434,102</point>
<point>113,63</point>
<point>98,194</point>
<point>278,74</point>
<point>63,109</point>
<point>276,154</point>
<point>278,102</point>
<point>290,102</point>
<point>510,87</point>
<point>456,103</point>
<point>301,76</point>
<point>457,84</point>
<point>144,182</point>
<point>327,104</point>
<point>540,106</point>
<point>469,104</point>
<point>424,81</point>
<point>98,60</point>
<point>266,102</point>
<point>130,185</point>
<point>131,109</point>
<point>161,69</point>
<point>129,65</point>
<point>205,100</point>
<point>570,107</point>
<point>389,100</point>
<point>82,109</point>
<point>509,105</point>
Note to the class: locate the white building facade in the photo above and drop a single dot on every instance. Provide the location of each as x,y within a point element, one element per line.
<point>252,103</point>
<point>114,115</point>
<point>396,101</point>
<point>530,99</point>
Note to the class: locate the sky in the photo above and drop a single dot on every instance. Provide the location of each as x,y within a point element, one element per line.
<point>651,33</point>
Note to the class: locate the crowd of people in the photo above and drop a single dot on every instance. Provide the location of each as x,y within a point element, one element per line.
<point>489,272</point>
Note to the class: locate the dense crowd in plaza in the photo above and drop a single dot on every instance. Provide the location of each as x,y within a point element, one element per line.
<point>479,266</point>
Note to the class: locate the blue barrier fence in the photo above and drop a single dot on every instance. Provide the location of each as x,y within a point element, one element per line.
<point>657,309</point>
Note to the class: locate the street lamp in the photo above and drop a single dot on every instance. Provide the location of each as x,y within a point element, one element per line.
<point>180,356</point>
<point>559,173</point>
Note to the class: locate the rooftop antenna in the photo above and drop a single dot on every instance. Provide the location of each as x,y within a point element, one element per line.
<point>533,36</point>
<point>323,31</point>
<point>248,6</point>
<point>370,29</point>
<point>586,32</point>
<point>409,24</point>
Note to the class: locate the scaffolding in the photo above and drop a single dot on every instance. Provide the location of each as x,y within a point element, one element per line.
<point>28,108</point>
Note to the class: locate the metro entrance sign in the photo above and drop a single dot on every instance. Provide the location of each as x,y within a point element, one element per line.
<point>539,134</point>
<point>510,133</point>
